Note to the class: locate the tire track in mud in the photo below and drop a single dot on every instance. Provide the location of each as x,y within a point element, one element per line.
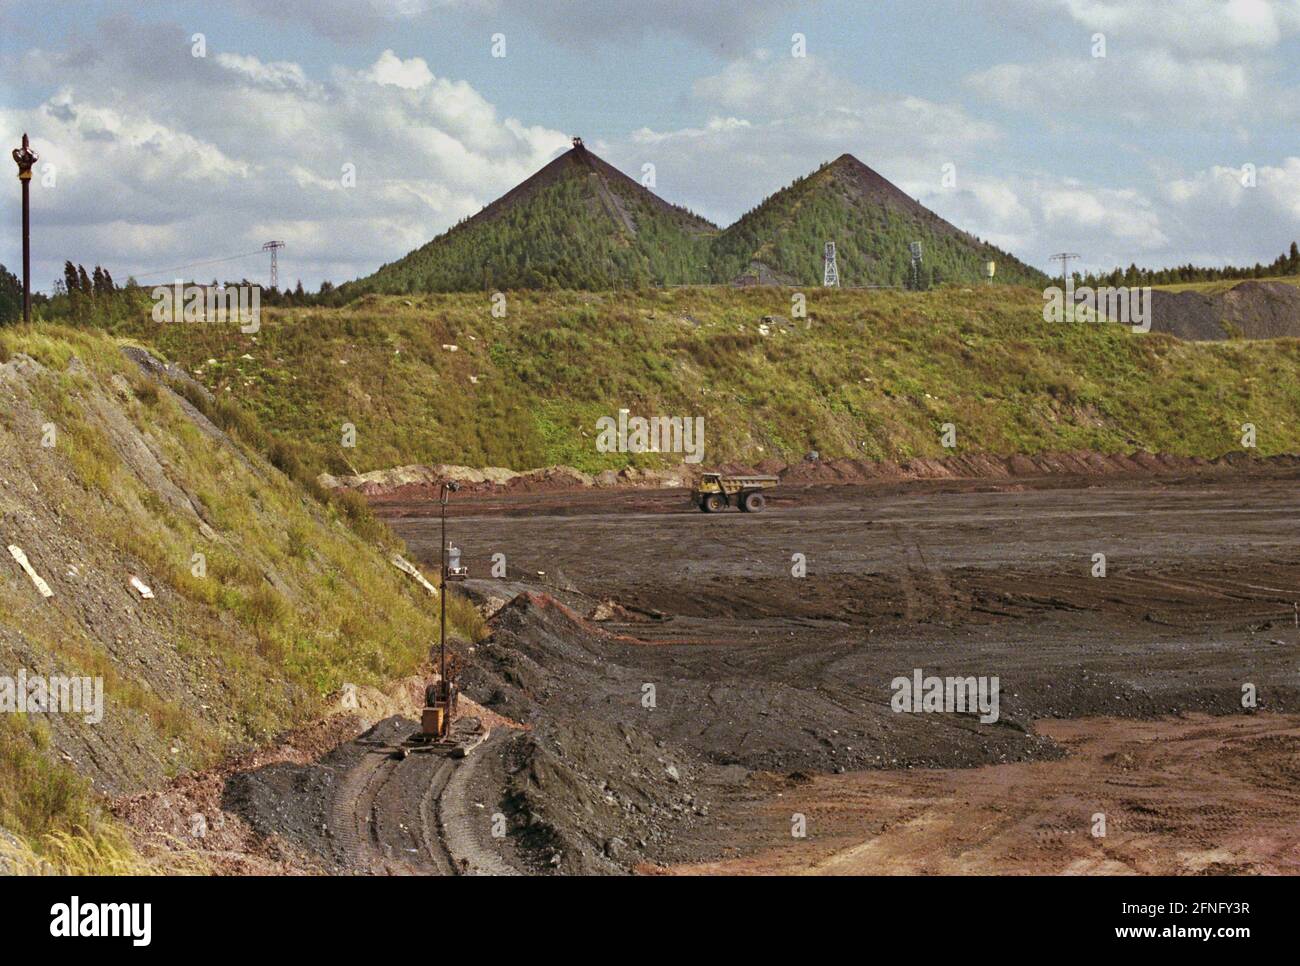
<point>917,572</point>
<point>430,826</point>
<point>352,813</point>
<point>460,823</point>
<point>385,819</point>
<point>410,815</point>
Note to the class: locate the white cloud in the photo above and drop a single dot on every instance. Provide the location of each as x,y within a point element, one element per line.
<point>1176,63</point>
<point>1207,217</point>
<point>344,21</point>
<point>1193,25</point>
<point>275,76</point>
<point>720,25</point>
<point>409,74</point>
<point>163,158</point>
<point>767,126</point>
<point>1155,86</point>
<point>1189,26</point>
<point>768,130</point>
<point>1034,215</point>
<point>1273,200</point>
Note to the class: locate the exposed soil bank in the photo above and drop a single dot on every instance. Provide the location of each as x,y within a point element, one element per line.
<point>412,484</point>
<point>1250,310</point>
<point>763,680</point>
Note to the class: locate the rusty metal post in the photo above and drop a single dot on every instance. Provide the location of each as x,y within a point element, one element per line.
<point>446,688</point>
<point>25,157</point>
<point>442,601</point>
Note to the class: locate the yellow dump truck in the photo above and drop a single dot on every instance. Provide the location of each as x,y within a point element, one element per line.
<point>715,492</point>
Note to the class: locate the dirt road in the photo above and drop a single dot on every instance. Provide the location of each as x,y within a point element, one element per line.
<point>362,809</point>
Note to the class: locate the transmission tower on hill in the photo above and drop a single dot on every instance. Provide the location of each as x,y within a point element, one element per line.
<point>914,250</point>
<point>273,247</point>
<point>830,274</point>
<point>1064,259</point>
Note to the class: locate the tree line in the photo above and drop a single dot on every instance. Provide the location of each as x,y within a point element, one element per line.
<point>1288,263</point>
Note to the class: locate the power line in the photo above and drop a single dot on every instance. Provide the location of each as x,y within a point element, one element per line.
<point>177,268</point>
<point>1064,259</point>
<point>274,246</point>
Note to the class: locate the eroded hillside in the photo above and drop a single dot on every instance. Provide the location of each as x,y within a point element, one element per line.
<point>265,598</point>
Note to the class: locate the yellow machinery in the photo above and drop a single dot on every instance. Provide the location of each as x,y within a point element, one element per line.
<point>716,491</point>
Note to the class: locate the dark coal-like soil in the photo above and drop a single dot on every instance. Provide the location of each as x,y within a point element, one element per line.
<point>764,669</point>
<point>1250,310</point>
<point>358,809</point>
<point>683,691</point>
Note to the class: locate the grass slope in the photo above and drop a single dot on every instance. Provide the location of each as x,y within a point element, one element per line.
<point>292,601</point>
<point>868,374</point>
<point>1219,286</point>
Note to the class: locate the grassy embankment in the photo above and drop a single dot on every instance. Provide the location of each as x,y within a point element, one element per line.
<point>1219,286</point>
<point>295,599</point>
<point>871,374</point>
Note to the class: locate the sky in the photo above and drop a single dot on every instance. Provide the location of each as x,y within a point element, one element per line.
<point>1158,132</point>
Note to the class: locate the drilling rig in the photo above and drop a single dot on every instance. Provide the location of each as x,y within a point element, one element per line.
<point>440,696</point>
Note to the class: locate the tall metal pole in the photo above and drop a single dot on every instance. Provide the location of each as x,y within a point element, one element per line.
<point>1064,259</point>
<point>25,157</point>
<point>442,603</point>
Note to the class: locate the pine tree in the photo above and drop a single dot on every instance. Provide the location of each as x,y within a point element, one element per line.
<point>11,297</point>
<point>70,278</point>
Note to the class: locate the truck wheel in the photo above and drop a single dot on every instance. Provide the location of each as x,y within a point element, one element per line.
<point>713,503</point>
<point>753,503</point>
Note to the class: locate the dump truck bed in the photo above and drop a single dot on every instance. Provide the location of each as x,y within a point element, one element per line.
<point>733,483</point>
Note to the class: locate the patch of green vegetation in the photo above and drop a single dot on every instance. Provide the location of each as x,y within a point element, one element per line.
<point>37,795</point>
<point>562,236</point>
<point>1219,286</point>
<point>275,591</point>
<point>788,231</point>
<point>868,374</point>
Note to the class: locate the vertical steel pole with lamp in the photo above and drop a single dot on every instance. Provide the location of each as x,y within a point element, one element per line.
<point>25,157</point>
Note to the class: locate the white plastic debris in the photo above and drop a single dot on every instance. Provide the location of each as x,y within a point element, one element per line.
<point>408,568</point>
<point>450,348</point>
<point>17,553</point>
<point>142,588</point>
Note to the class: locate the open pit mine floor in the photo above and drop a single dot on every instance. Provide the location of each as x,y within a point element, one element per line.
<point>685,703</point>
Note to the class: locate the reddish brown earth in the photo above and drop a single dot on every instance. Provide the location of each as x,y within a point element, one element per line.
<point>392,497</point>
<point>1182,796</point>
